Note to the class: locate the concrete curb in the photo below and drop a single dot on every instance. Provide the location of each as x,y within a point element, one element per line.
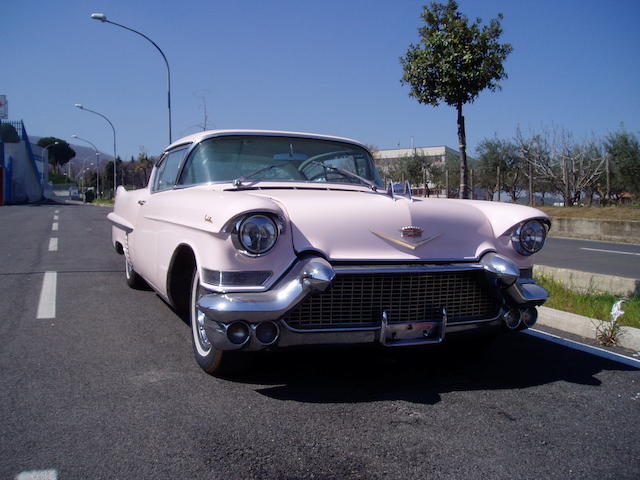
<point>625,231</point>
<point>589,282</point>
<point>585,326</point>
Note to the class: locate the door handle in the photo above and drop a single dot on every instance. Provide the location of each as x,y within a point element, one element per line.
<point>141,202</point>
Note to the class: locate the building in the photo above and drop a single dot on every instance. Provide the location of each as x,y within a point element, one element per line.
<point>437,155</point>
<point>434,155</point>
<point>23,175</point>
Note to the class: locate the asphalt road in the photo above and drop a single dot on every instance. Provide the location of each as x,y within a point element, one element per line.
<point>620,259</point>
<point>108,388</point>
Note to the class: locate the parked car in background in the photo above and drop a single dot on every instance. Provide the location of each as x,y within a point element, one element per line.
<point>276,239</point>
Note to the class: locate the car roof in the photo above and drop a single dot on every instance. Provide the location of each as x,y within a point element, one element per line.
<point>198,137</point>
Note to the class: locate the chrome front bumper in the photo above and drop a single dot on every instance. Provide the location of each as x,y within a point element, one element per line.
<point>312,275</point>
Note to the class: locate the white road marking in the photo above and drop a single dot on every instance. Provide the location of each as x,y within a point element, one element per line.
<point>608,251</point>
<point>56,211</point>
<point>47,303</point>
<point>600,352</point>
<point>38,475</point>
<point>53,244</point>
<point>55,217</point>
<point>54,227</point>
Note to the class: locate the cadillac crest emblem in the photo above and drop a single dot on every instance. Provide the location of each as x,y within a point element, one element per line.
<point>411,232</point>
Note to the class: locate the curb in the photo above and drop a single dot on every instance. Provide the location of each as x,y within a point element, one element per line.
<point>589,282</point>
<point>585,327</point>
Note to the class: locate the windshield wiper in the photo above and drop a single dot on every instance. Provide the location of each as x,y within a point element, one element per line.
<point>238,181</point>
<point>348,174</point>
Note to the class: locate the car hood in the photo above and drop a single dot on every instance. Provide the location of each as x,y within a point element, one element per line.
<point>364,225</point>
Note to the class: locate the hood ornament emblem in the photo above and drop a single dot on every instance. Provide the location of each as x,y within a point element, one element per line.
<point>411,232</point>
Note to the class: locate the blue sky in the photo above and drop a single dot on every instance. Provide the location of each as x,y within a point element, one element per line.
<point>326,67</point>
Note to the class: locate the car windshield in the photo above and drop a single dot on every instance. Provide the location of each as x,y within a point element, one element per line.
<point>251,158</point>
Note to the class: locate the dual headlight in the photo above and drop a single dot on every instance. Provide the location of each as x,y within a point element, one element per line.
<point>256,234</point>
<point>528,238</point>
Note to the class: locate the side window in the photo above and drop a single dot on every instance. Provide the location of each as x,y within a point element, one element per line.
<point>165,177</point>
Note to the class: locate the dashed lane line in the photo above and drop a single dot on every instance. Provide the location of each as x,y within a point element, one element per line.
<point>54,227</point>
<point>53,244</point>
<point>55,217</point>
<point>38,475</point>
<point>47,302</point>
<point>609,251</point>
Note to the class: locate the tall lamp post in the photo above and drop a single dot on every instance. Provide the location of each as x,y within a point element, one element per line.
<point>115,155</point>
<point>103,18</point>
<point>97,162</point>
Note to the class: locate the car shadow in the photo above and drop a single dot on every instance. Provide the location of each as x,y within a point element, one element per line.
<point>421,375</point>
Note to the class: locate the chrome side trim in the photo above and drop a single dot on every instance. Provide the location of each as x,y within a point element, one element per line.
<point>120,222</point>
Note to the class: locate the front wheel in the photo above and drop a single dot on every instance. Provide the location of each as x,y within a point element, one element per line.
<point>213,361</point>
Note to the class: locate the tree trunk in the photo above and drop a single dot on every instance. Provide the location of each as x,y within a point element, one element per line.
<point>462,140</point>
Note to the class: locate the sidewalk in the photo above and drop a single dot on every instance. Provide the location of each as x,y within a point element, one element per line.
<point>585,327</point>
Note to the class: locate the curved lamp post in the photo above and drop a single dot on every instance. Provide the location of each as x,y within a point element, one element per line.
<point>103,18</point>
<point>97,162</point>
<point>115,155</point>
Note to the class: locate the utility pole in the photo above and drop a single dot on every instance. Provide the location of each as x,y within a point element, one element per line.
<point>608,168</point>
<point>531,198</point>
<point>498,186</point>
<point>446,183</point>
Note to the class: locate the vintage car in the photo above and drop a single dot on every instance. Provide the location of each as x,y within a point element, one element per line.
<point>276,239</point>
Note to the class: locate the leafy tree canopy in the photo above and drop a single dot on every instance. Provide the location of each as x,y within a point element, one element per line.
<point>623,149</point>
<point>58,154</point>
<point>455,59</point>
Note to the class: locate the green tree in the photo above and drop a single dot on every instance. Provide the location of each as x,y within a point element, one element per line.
<point>454,62</point>
<point>58,154</point>
<point>442,174</point>
<point>503,154</point>
<point>623,150</point>
<point>107,183</point>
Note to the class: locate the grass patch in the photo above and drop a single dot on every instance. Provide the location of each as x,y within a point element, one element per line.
<point>102,201</point>
<point>627,213</point>
<point>593,305</point>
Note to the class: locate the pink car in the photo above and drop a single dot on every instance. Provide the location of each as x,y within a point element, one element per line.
<point>276,239</point>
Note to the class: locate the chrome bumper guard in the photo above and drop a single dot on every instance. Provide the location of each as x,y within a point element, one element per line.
<point>313,275</point>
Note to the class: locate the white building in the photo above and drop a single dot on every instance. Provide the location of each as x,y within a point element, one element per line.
<point>438,154</point>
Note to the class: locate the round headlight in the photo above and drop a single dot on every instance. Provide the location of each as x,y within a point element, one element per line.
<point>257,234</point>
<point>529,237</point>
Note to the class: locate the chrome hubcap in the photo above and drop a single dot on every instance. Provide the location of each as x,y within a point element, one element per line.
<point>202,334</point>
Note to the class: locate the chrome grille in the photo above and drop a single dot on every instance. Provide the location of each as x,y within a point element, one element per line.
<point>358,300</point>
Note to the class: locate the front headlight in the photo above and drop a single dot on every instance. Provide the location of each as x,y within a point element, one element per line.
<point>257,234</point>
<point>529,237</point>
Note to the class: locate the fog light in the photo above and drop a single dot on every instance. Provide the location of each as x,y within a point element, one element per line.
<point>512,318</point>
<point>267,332</point>
<point>238,333</point>
<point>529,317</point>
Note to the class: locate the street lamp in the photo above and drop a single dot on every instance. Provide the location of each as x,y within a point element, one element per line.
<point>97,162</point>
<point>103,18</point>
<point>44,150</point>
<point>115,155</point>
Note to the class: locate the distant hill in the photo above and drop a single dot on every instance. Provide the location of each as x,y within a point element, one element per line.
<point>85,155</point>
